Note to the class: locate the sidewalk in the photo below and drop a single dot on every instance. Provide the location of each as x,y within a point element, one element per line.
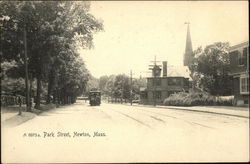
<point>6,116</point>
<point>222,110</point>
<point>10,117</point>
<point>15,119</point>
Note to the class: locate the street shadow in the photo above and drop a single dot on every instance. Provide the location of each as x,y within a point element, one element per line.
<point>12,109</point>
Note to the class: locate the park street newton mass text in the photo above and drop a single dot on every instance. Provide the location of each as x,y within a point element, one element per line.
<point>64,134</point>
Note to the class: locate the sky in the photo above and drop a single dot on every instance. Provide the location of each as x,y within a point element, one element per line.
<point>135,32</point>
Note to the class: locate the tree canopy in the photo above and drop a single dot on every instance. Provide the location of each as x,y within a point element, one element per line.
<point>54,31</point>
<point>210,69</point>
<point>119,86</point>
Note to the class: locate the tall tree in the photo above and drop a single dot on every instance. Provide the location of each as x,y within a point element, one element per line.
<point>54,30</point>
<point>121,86</point>
<point>210,69</point>
<point>102,84</point>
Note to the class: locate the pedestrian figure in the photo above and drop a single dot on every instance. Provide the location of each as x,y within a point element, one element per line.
<point>31,101</point>
<point>20,105</point>
<point>19,100</point>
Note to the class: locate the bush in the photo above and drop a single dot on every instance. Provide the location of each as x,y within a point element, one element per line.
<point>224,101</point>
<point>196,98</point>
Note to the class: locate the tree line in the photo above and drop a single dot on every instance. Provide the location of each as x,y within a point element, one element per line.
<point>121,86</point>
<point>53,31</point>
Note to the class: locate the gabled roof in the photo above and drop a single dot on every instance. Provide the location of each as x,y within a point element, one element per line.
<point>238,46</point>
<point>180,71</point>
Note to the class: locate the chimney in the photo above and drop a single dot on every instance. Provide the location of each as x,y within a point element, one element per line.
<point>165,71</point>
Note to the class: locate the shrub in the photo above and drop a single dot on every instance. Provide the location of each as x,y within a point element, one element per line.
<point>196,98</point>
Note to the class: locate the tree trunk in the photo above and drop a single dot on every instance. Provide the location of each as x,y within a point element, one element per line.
<point>50,85</point>
<point>58,96</point>
<point>38,92</point>
<point>26,74</point>
<point>31,81</point>
<point>49,91</point>
<point>63,97</point>
<point>54,97</point>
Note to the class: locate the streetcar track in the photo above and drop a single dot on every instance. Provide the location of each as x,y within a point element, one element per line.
<point>158,119</point>
<point>203,125</point>
<point>138,121</point>
<point>107,115</point>
<point>135,119</point>
<point>154,117</point>
<point>190,122</point>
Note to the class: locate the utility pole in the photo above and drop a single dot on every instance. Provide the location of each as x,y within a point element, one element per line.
<point>154,82</point>
<point>131,81</point>
<point>154,78</point>
<point>26,72</point>
<point>122,92</point>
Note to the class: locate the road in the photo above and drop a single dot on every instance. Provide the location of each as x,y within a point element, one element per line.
<point>124,133</point>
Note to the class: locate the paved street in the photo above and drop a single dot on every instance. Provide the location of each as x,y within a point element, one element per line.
<point>123,133</point>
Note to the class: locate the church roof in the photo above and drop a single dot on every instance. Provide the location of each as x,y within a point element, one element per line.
<point>188,55</point>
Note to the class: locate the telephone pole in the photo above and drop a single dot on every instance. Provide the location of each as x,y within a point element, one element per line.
<point>131,88</point>
<point>154,82</point>
<point>154,72</point>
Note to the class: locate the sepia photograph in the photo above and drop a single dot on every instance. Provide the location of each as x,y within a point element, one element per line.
<point>124,81</point>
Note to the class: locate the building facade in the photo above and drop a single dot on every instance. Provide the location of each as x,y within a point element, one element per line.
<point>239,70</point>
<point>159,88</point>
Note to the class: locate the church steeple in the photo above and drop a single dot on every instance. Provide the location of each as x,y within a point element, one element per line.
<point>188,55</point>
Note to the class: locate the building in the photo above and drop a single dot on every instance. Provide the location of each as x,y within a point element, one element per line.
<point>159,88</point>
<point>239,70</point>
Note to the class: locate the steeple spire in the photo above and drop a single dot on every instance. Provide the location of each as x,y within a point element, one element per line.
<point>188,55</point>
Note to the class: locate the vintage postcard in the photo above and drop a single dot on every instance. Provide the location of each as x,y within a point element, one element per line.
<point>124,81</point>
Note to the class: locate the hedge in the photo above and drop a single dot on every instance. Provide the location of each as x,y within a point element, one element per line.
<point>196,99</point>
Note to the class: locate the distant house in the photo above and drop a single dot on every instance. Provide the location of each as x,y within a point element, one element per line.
<point>159,88</point>
<point>162,87</point>
<point>239,70</point>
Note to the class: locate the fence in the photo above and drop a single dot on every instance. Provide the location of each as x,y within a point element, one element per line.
<point>7,100</point>
<point>118,100</point>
